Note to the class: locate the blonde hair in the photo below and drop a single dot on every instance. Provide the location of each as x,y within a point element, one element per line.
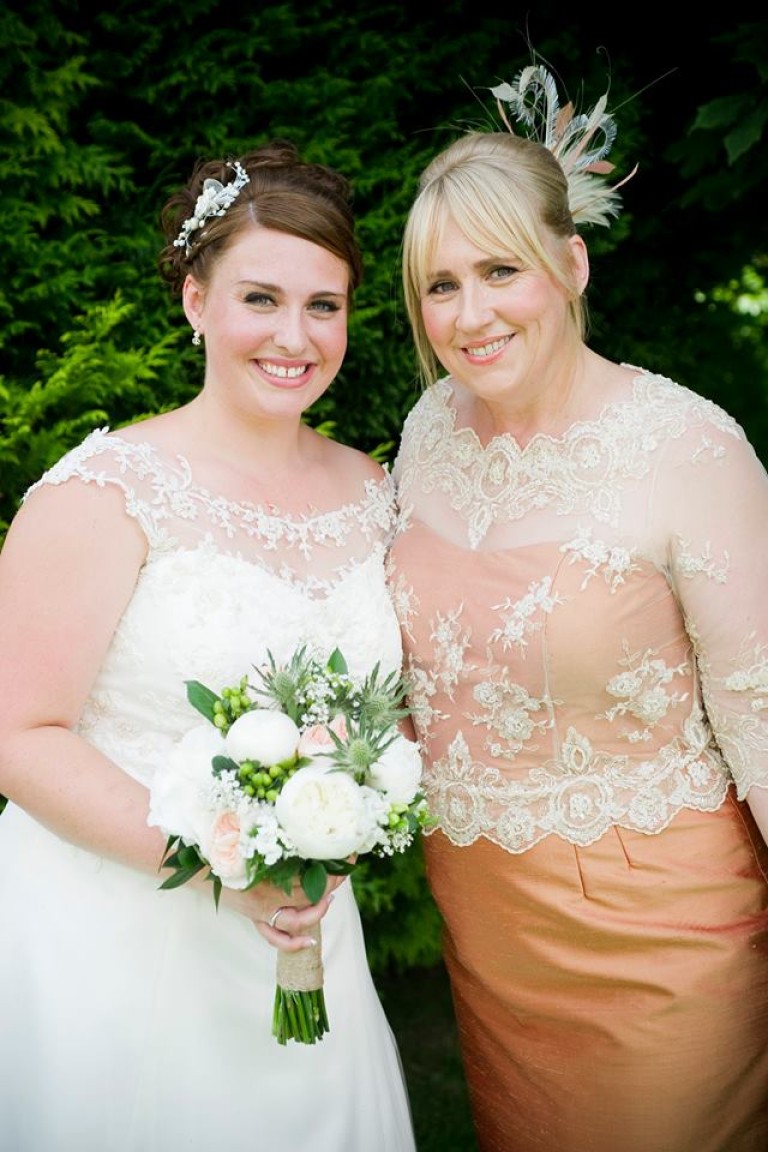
<point>507,194</point>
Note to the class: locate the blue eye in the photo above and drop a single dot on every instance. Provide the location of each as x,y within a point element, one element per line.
<point>328,306</point>
<point>441,287</point>
<point>503,272</point>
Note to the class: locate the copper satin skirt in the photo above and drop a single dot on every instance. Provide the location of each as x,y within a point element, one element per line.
<point>613,998</point>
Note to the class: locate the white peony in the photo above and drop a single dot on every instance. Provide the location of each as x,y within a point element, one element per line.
<point>323,812</point>
<point>378,808</point>
<point>263,735</point>
<point>180,792</point>
<point>397,772</point>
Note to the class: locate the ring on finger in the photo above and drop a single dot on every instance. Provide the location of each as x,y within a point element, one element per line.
<point>273,918</point>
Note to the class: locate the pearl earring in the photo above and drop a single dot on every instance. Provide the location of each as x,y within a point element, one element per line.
<point>197,338</point>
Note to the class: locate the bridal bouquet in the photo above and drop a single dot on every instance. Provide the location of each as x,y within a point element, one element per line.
<point>298,770</point>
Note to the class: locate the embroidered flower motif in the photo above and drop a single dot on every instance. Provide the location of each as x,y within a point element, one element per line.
<point>508,712</point>
<point>752,678</point>
<point>704,564</point>
<point>450,644</point>
<point>579,474</point>
<point>643,693</point>
<point>158,490</point>
<point>616,562</point>
<point>516,615</point>
<point>404,599</point>
<point>576,752</point>
<point>578,794</point>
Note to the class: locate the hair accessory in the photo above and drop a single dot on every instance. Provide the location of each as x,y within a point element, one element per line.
<point>214,200</point>
<point>197,338</point>
<point>533,100</point>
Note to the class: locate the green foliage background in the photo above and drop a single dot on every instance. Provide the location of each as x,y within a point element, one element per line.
<point>103,114</point>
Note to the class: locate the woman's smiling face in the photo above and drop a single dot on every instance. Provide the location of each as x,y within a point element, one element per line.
<point>274,319</point>
<point>497,326</point>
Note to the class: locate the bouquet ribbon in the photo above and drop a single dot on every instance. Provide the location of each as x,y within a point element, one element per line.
<point>299,1012</point>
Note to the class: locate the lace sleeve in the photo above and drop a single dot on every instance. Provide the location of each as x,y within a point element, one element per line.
<point>133,468</point>
<point>715,500</point>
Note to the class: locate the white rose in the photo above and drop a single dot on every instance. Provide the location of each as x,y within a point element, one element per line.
<point>397,772</point>
<point>179,795</point>
<point>323,812</point>
<point>264,735</point>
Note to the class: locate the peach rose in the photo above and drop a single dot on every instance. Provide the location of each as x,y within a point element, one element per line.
<point>224,853</point>
<point>317,739</point>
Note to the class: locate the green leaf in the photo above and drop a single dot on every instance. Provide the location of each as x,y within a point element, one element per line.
<point>746,135</point>
<point>201,698</point>
<point>282,874</point>
<point>184,863</point>
<point>339,867</point>
<point>224,764</point>
<point>182,875</point>
<point>188,856</point>
<point>721,112</point>
<point>337,663</point>
<point>170,843</point>
<point>313,880</point>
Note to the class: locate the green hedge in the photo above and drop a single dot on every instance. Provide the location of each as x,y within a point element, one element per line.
<point>103,114</point>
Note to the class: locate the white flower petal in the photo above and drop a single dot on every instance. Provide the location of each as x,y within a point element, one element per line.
<point>323,812</point>
<point>264,735</point>
<point>397,772</point>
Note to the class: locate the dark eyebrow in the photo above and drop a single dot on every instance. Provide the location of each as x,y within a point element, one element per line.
<point>277,290</point>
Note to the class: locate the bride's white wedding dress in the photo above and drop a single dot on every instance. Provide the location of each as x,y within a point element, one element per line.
<point>139,1020</point>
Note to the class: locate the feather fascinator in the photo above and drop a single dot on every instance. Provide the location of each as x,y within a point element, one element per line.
<point>580,143</point>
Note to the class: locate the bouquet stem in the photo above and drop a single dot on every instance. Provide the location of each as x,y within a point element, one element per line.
<point>299,1013</point>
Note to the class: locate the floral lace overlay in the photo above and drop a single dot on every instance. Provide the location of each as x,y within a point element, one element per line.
<point>582,471</point>
<point>574,617</point>
<point>173,511</point>
<point>221,583</point>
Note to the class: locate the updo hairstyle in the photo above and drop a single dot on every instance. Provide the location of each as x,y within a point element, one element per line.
<point>507,194</point>
<point>284,192</point>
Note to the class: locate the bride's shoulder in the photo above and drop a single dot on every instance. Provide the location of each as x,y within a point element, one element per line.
<point>357,473</point>
<point>106,460</point>
<point>103,454</point>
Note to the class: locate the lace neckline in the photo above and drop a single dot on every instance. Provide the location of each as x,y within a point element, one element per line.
<point>584,471</point>
<point>444,391</point>
<point>149,459</point>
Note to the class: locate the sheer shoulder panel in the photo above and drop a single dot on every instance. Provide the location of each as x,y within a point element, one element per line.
<point>313,551</point>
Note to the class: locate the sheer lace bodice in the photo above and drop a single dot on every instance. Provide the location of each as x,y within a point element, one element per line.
<point>582,617</point>
<point>136,1019</point>
<point>221,584</point>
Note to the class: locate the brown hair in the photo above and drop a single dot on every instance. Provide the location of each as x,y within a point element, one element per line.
<point>284,192</point>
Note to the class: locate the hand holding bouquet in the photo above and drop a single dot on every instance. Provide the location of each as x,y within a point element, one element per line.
<point>296,770</point>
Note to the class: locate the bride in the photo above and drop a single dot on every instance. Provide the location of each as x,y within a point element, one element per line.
<point>184,547</point>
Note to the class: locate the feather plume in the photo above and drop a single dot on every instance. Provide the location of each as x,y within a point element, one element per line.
<point>580,143</point>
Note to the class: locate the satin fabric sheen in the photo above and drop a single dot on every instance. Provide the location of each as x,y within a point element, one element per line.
<point>586,635</point>
<point>613,998</point>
